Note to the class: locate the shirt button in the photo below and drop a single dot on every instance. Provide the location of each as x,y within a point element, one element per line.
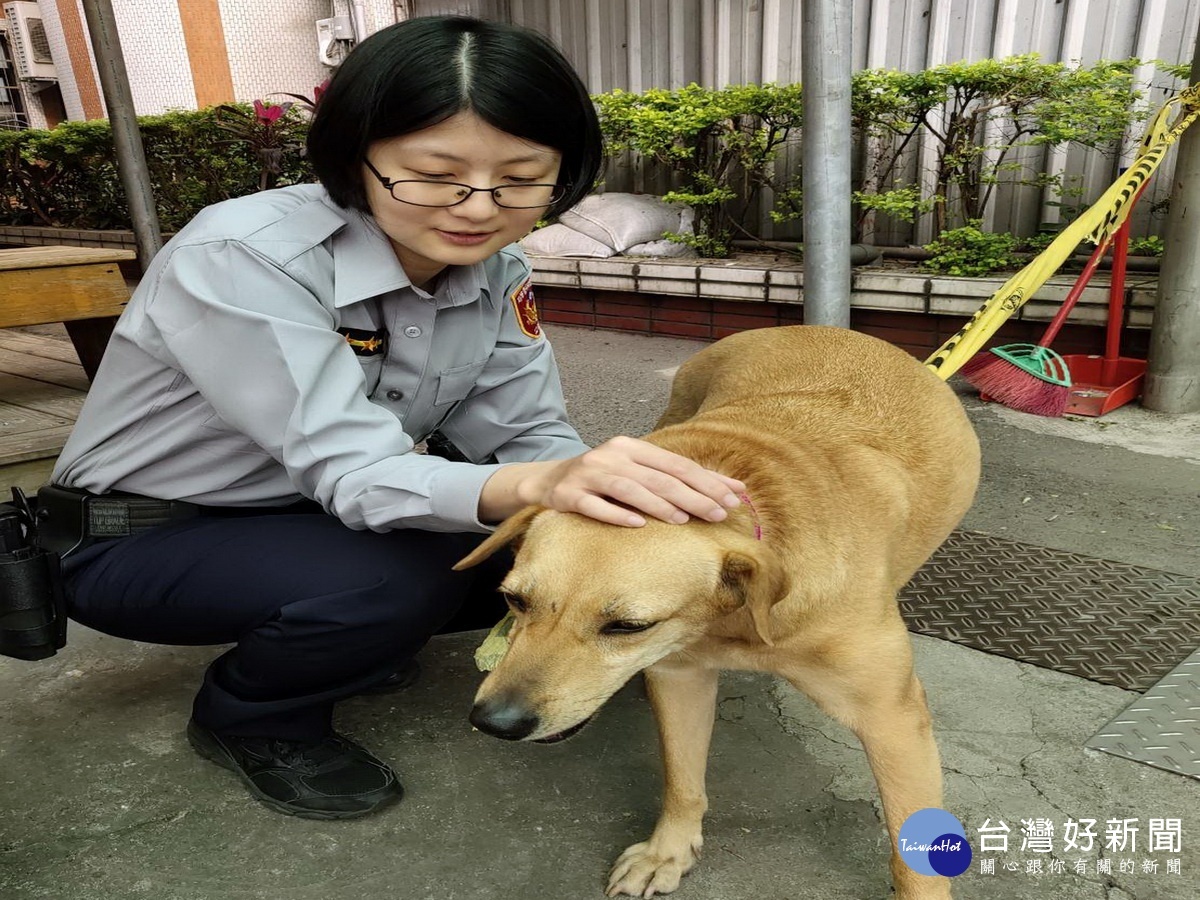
<point>395,395</point>
<point>412,331</point>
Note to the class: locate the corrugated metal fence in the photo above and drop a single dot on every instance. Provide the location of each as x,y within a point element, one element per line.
<point>639,44</point>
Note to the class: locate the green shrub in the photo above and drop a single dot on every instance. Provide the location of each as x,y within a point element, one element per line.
<point>719,146</point>
<point>67,176</point>
<point>1147,246</point>
<point>904,203</point>
<point>1036,243</point>
<point>979,115</point>
<point>969,251</point>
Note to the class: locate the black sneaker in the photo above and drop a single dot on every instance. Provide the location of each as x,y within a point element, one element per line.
<point>332,779</point>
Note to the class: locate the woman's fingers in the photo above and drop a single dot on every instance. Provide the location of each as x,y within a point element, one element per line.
<point>735,486</point>
<point>686,484</point>
<point>596,507</point>
<point>645,478</point>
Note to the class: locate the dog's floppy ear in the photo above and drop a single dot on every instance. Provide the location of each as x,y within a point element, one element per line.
<point>756,582</point>
<point>511,529</point>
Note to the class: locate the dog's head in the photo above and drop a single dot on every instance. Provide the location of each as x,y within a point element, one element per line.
<point>595,604</point>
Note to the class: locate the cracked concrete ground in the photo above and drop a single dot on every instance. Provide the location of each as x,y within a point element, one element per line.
<point>101,799</point>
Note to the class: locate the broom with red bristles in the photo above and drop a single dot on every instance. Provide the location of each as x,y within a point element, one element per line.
<point>1031,378</point>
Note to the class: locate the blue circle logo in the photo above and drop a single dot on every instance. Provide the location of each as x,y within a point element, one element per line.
<point>933,842</point>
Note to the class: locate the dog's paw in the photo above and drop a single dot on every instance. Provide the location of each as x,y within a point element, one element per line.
<point>647,869</point>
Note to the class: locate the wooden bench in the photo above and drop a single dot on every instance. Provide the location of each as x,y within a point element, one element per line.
<point>82,288</point>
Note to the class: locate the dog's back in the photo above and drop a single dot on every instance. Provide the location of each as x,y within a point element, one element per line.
<point>827,371</point>
<point>838,416</point>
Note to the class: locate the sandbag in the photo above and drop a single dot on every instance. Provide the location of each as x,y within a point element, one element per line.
<point>661,248</point>
<point>559,240</point>
<point>621,221</point>
<point>687,220</point>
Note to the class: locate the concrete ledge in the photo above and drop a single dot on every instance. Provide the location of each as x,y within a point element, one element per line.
<point>754,281</point>
<point>709,299</point>
<point>31,236</point>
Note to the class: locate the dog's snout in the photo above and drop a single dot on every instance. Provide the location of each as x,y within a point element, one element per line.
<point>504,717</point>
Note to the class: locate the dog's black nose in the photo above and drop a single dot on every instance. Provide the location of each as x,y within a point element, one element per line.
<point>503,717</point>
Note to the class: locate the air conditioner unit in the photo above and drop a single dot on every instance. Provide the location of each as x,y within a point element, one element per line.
<point>27,37</point>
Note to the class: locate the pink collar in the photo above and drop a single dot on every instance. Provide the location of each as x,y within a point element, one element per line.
<point>754,514</point>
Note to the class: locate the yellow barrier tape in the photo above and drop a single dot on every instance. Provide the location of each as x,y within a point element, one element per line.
<point>1096,224</point>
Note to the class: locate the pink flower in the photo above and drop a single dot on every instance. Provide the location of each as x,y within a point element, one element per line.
<point>269,113</point>
<point>319,91</point>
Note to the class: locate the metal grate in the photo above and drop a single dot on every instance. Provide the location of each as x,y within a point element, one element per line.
<point>1162,727</point>
<point>1105,621</point>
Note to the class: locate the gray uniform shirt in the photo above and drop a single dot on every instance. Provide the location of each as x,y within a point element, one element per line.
<point>227,382</point>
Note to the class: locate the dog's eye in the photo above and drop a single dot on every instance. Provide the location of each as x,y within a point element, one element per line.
<point>622,627</point>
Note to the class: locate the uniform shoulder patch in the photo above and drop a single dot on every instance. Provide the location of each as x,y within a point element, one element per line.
<point>526,309</point>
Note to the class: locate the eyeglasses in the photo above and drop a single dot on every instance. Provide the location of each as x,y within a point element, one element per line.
<point>450,193</point>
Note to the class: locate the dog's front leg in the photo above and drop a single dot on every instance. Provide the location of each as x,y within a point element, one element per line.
<point>898,740</point>
<point>875,692</point>
<point>684,699</point>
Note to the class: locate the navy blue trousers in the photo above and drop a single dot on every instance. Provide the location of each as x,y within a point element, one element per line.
<point>317,612</point>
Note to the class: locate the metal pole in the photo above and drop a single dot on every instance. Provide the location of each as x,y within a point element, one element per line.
<point>131,157</point>
<point>1173,372</point>
<point>825,71</point>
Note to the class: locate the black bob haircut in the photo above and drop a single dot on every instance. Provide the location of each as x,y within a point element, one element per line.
<point>422,71</point>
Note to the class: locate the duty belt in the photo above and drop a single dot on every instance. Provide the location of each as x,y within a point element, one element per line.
<point>70,519</point>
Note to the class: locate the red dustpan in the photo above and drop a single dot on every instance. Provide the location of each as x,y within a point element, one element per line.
<point>1099,384</point>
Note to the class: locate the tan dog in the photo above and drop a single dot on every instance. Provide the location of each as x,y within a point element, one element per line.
<point>858,462</point>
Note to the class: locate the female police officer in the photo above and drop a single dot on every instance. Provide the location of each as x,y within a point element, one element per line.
<point>293,346</point>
